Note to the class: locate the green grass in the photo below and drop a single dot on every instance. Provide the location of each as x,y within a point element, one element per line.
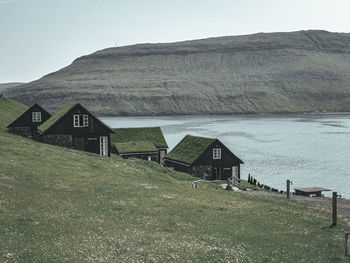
<point>62,205</point>
<point>56,117</point>
<point>245,185</point>
<point>9,111</point>
<point>135,147</point>
<point>151,134</point>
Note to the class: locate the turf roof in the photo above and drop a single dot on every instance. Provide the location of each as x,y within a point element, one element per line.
<point>135,147</point>
<point>151,134</point>
<point>55,118</point>
<point>189,149</point>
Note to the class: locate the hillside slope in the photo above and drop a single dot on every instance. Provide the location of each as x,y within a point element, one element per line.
<point>4,86</point>
<point>303,71</point>
<point>61,205</point>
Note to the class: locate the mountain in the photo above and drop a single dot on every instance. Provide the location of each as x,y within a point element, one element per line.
<point>4,86</point>
<point>304,71</point>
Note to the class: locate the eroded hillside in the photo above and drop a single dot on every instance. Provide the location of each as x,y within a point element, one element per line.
<point>305,71</point>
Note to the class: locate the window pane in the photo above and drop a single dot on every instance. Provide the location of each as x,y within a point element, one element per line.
<point>86,121</point>
<point>36,116</point>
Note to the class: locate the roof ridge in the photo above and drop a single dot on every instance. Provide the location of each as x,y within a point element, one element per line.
<point>190,148</point>
<point>135,146</point>
<point>152,134</point>
<point>56,117</point>
<point>28,109</point>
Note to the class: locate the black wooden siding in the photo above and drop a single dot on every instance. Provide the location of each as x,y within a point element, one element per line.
<point>26,121</point>
<point>227,161</point>
<point>205,161</point>
<point>65,125</point>
<point>84,138</point>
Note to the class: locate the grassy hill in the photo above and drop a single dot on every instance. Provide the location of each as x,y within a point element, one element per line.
<point>293,72</point>
<point>61,205</point>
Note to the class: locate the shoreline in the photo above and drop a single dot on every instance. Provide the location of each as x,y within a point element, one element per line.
<point>248,114</point>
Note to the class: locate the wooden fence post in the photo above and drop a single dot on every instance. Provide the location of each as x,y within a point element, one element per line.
<point>334,206</point>
<point>288,189</point>
<point>347,245</point>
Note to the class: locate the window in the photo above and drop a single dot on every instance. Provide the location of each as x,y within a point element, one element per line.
<point>76,121</point>
<point>85,120</point>
<point>36,116</point>
<point>216,153</point>
<point>80,120</point>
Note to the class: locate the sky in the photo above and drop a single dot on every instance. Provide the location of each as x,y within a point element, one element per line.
<point>38,37</point>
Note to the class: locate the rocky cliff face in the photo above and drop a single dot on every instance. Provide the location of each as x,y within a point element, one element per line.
<point>306,71</point>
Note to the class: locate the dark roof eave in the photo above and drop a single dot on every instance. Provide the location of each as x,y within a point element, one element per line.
<point>68,111</point>
<point>176,161</point>
<point>36,104</point>
<point>131,153</point>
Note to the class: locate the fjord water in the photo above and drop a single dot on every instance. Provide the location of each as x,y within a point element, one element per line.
<point>310,150</point>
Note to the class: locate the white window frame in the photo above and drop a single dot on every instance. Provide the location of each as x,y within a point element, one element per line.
<point>36,116</point>
<point>217,153</point>
<point>235,171</point>
<point>76,120</point>
<point>104,145</point>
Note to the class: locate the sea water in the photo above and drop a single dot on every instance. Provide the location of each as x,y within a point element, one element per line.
<point>310,150</point>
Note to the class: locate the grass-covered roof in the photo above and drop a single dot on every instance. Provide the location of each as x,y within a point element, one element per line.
<point>151,134</point>
<point>135,147</point>
<point>55,118</point>
<point>10,110</point>
<point>189,149</point>
<point>25,112</point>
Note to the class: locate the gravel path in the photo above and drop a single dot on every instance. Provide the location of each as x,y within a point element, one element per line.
<point>321,202</point>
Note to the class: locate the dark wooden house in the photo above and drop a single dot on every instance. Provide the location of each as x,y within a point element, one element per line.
<point>75,127</point>
<point>205,158</point>
<point>147,143</point>
<point>27,123</point>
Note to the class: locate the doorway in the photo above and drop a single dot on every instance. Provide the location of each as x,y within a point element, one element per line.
<point>217,173</point>
<point>79,143</point>
<point>104,145</point>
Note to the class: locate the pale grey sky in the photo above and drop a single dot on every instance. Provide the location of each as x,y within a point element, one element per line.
<point>41,36</point>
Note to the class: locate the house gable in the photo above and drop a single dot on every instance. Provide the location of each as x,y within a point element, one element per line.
<point>226,156</point>
<point>205,158</point>
<point>26,118</point>
<point>63,122</point>
<point>189,149</point>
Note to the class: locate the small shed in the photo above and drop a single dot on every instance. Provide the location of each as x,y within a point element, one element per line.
<point>146,143</point>
<point>139,149</point>
<point>73,126</point>
<point>27,123</point>
<point>206,158</point>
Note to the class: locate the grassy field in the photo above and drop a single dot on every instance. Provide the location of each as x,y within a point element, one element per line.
<point>61,205</point>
